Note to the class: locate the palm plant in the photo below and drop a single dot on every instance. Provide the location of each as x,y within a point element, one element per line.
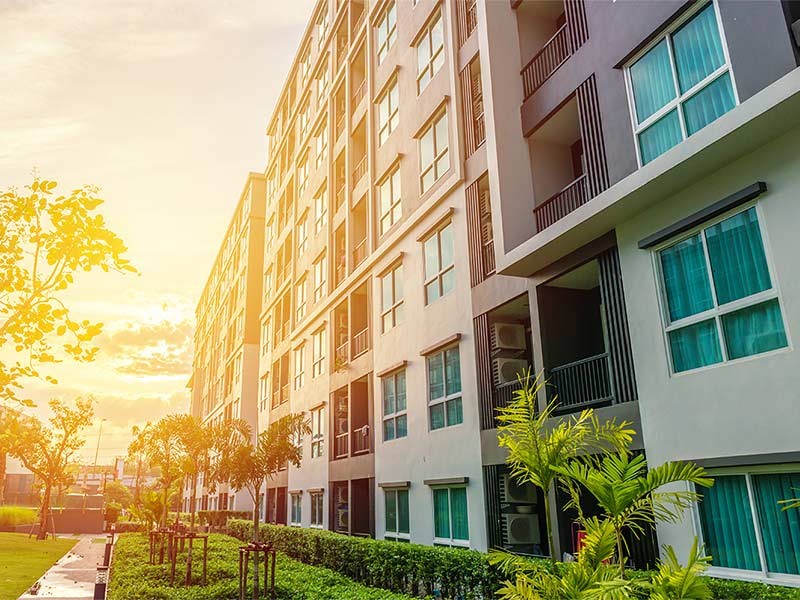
<point>539,445</point>
<point>628,492</point>
<point>673,581</point>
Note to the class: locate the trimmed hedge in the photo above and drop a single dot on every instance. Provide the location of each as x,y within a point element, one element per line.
<point>128,526</point>
<point>405,568</point>
<point>132,578</point>
<point>219,518</point>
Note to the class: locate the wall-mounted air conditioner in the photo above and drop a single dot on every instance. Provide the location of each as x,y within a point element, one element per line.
<point>514,491</point>
<point>522,529</point>
<point>509,336</point>
<point>507,369</point>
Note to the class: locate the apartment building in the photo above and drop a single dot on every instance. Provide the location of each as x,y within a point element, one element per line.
<point>224,381</point>
<point>459,190</point>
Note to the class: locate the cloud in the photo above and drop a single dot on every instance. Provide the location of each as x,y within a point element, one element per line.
<point>162,348</point>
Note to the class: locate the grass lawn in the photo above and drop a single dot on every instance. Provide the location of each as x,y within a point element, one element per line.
<point>133,579</point>
<point>23,561</point>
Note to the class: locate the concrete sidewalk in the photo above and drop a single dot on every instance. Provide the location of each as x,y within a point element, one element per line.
<point>73,576</point>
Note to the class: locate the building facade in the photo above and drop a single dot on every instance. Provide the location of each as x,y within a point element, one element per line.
<point>457,191</point>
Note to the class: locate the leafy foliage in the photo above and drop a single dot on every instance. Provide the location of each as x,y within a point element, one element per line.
<point>118,492</point>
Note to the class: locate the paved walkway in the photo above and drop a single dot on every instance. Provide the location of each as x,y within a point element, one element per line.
<point>73,576</point>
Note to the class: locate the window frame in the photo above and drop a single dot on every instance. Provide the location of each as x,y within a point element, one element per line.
<point>301,237</point>
<point>321,146</point>
<point>451,541</point>
<point>680,98</point>
<point>298,498</point>
<point>319,511</point>
<point>302,173</point>
<point>319,344</point>
<point>299,363</point>
<point>395,210</point>
<point>301,298</point>
<point>446,397</point>
<point>439,154</point>
<point>320,209</point>
<point>396,534</point>
<point>392,310</point>
<point>382,48</point>
<point>442,269</point>
<point>393,416</point>
<point>319,267</point>
<point>425,36</point>
<point>317,431</point>
<point>717,311</point>
<point>391,96</point>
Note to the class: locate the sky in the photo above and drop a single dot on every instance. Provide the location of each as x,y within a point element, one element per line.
<point>164,106</point>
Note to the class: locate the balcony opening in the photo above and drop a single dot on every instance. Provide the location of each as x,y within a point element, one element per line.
<point>359,320</point>
<point>276,505</point>
<point>340,182</point>
<point>342,45</point>
<point>558,166</point>
<point>280,381</point>
<point>340,507</point>
<point>341,336</point>
<point>358,13</point>
<point>339,255</point>
<point>341,424</point>
<point>358,79</point>
<point>509,333</point>
<point>575,339</point>
<point>358,225</point>
<point>358,147</point>
<point>359,417</point>
<point>339,111</point>
<point>352,507</point>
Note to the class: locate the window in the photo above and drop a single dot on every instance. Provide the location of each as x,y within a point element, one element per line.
<point>302,174</point>
<point>744,525</point>
<point>318,345</point>
<point>320,210</point>
<point>297,508</point>
<point>396,502</point>
<point>680,85</point>
<point>317,504</point>
<point>321,146</point>
<point>322,85</point>
<point>440,274</point>
<point>430,52</point>
<point>395,420</point>
<point>302,235</point>
<point>388,112</point>
<point>268,283</point>
<point>450,520</point>
<point>444,389</point>
<point>434,158</point>
<point>719,301</point>
<point>263,392</point>
<point>322,27</point>
<point>392,298</point>
<point>299,366</point>
<point>300,296</point>
<point>264,337</point>
<point>317,431</point>
<point>386,31</point>
<point>320,273</point>
<point>391,206</point>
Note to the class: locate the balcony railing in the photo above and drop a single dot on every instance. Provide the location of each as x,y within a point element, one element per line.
<point>361,342</point>
<point>472,16</point>
<point>340,124</point>
<point>488,258</point>
<point>340,445</point>
<point>582,383</point>
<point>561,204</point>
<point>360,170</point>
<point>339,197</point>
<point>503,395</point>
<point>360,252</point>
<point>361,440</point>
<point>340,272</point>
<point>479,129</point>
<point>546,61</point>
<point>341,356</point>
<point>360,93</point>
<point>280,396</point>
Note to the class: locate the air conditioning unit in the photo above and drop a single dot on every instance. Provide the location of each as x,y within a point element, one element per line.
<point>796,32</point>
<point>507,369</point>
<point>508,336</point>
<point>522,529</point>
<point>513,491</point>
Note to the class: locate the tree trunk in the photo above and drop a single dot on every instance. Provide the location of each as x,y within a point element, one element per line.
<point>193,501</point>
<point>3,459</point>
<point>255,539</point>
<point>548,519</point>
<point>45,512</point>
<point>165,511</point>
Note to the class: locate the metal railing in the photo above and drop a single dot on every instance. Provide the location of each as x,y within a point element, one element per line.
<point>488,258</point>
<point>360,252</point>
<point>561,204</point>
<point>582,383</point>
<point>472,17</point>
<point>360,93</point>
<point>361,342</point>
<point>341,355</point>
<point>479,129</point>
<point>503,395</point>
<point>340,445</point>
<point>545,62</point>
<point>280,396</point>
<point>340,272</point>
<point>361,440</point>
<point>360,170</point>
<point>339,197</point>
<point>340,125</point>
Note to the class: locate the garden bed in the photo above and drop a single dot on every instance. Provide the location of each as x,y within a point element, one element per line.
<point>132,578</point>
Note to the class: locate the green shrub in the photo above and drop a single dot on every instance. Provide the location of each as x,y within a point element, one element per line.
<point>10,516</point>
<point>132,578</point>
<point>128,526</point>
<point>219,518</point>
<point>728,589</point>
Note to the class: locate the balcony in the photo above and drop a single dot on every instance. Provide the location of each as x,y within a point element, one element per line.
<point>351,420</point>
<point>360,342</point>
<point>340,445</point>
<point>582,383</point>
<point>360,253</point>
<point>560,204</point>
<point>360,170</point>
<point>545,62</point>
<point>341,355</point>
<point>361,440</point>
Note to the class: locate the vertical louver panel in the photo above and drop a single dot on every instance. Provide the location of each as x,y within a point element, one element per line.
<point>619,341</point>
<point>592,136</point>
<point>467,112</point>
<point>483,367</point>
<point>576,17</point>
<point>491,484</point>
<point>474,235</point>
<point>461,21</point>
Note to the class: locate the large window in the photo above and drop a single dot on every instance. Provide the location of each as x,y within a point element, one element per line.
<point>681,84</point>
<point>430,52</point>
<point>301,293</point>
<point>440,274</point>
<point>450,520</point>
<point>321,146</point>
<point>302,174</point>
<point>744,525</point>
<point>297,508</point>
<point>386,31</point>
<point>320,277</point>
<point>317,508</point>
<point>320,210</point>
<point>302,235</point>
<point>389,200</point>
<point>317,431</point>
<point>444,389</point>
<point>299,366</point>
<point>396,518</point>
<point>388,112</point>
<point>318,346</point>
<point>392,298</point>
<point>434,158</point>
<point>719,299</point>
<point>395,419</point>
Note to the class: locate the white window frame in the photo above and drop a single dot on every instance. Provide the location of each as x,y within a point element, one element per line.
<point>391,184</point>
<point>443,269</point>
<point>295,497</point>
<point>764,575</point>
<point>323,23</point>
<point>263,401</point>
<point>425,44</point>
<point>318,431</point>
<point>319,344</point>
<point>265,336</point>
<point>299,360</point>
<point>321,146</point>
<point>680,99</point>
<point>718,311</point>
<point>320,511</point>
<point>301,298</point>
<point>389,29</point>
<point>444,399</point>
<point>320,209</point>
<point>392,276</point>
<point>391,98</point>
<point>437,541</point>
<point>302,174</point>
<point>441,151</point>
<point>320,277</point>
<point>396,534</point>
<point>397,413</point>
<point>302,234</point>
<point>323,81</point>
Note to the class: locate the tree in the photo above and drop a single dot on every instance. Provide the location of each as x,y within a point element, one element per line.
<point>629,493</point>
<point>118,492</point>
<point>45,240</point>
<point>539,444</point>
<point>48,451</point>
